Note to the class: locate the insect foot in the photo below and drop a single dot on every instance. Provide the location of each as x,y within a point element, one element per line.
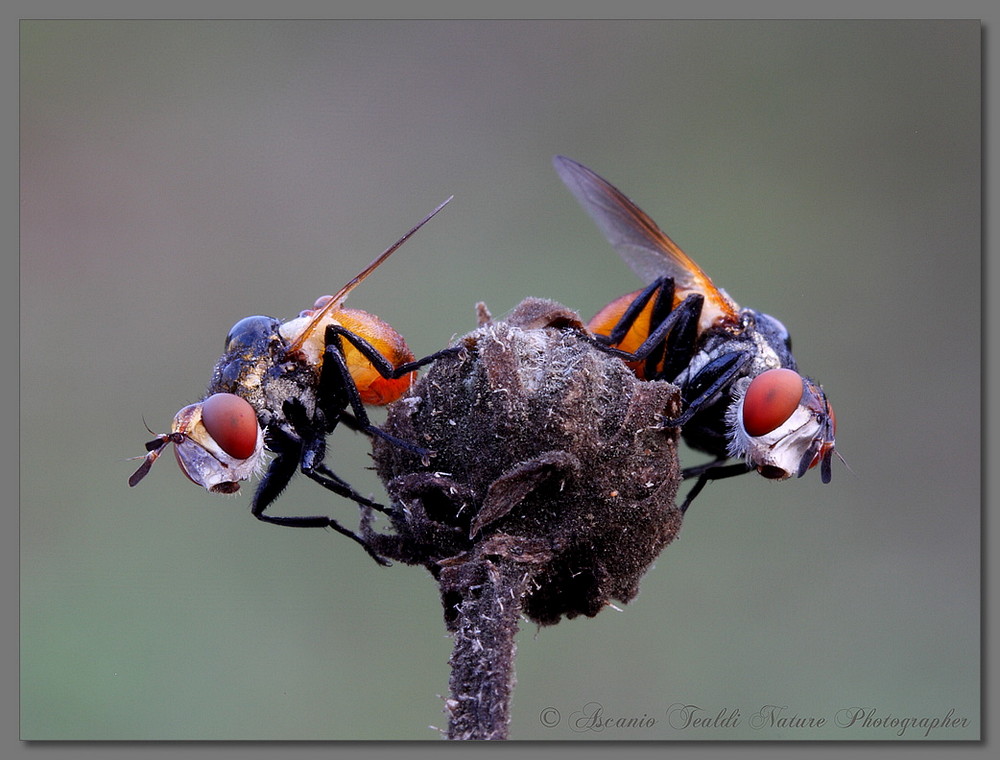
<point>548,455</point>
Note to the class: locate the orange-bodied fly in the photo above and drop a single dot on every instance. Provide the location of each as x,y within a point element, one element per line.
<point>283,387</point>
<point>743,396</point>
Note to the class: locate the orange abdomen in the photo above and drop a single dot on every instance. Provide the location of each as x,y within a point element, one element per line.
<point>606,319</point>
<point>375,389</point>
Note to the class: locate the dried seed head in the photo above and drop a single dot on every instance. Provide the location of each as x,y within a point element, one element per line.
<point>548,452</point>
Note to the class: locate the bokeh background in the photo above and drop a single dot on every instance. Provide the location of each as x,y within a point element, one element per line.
<point>176,176</point>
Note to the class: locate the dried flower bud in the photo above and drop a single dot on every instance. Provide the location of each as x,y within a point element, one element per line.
<point>549,455</point>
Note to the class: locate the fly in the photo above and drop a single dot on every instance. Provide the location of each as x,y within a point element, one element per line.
<point>743,397</point>
<point>283,387</point>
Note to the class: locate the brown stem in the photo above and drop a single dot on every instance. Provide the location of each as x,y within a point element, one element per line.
<point>483,606</point>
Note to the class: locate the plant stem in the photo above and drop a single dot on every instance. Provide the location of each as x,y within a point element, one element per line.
<point>482,599</point>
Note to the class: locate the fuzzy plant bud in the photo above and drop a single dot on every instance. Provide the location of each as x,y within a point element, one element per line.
<point>549,457</point>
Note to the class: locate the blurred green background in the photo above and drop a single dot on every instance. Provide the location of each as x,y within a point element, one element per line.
<point>176,176</point>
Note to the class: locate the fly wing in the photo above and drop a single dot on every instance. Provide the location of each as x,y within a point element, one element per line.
<point>341,295</point>
<point>637,238</point>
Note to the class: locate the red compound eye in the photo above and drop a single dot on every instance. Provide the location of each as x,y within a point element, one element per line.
<point>770,400</point>
<point>232,423</point>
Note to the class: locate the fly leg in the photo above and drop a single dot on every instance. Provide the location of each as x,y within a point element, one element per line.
<point>311,448</point>
<point>714,470</point>
<point>662,288</point>
<point>292,454</point>
<point>382,365</point>
<point>670,345</point>
<point>340,376</point>
<point>713,379</point>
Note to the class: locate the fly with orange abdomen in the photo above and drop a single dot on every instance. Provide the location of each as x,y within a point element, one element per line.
<point>283,387</point>
<point>742,393</point>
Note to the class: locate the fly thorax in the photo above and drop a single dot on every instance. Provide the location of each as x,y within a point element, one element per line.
<point>289,380</point>
<point>766,356</point>
<point>773,341</point>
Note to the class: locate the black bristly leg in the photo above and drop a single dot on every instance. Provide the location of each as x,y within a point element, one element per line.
<point>340,376</point>
<point>728,366</point>
<point>687,313</point>
<point>680,344</point>
<point>348,420</point>
<point>692,472</point>
<point>311,447</point>
<point>283,466</point>
<point>712,471</point>
<point>313,467</point>
<point>382,365</point>
<point>663,305</point>
<point>278,474</point>
<point>674,336</point>
<point>662,287</point>
<point>336,376</point>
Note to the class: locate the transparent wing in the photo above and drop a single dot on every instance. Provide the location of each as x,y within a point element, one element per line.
<point>341,295</point>
<point>637,238</point>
